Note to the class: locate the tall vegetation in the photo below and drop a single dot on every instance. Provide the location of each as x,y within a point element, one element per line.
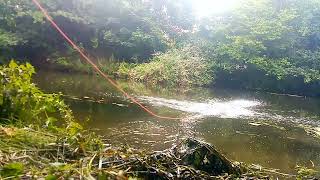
<point>21,100</point>
<point>262,44</point>
<point>176,67</point>
<point>274,39</point>
<point>23,104</point>
<point>37,129</point>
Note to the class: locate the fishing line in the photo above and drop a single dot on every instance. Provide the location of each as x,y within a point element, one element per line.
<point>95,67</point>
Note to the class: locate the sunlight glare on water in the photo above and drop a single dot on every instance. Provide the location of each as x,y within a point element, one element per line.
<point>222,109</point>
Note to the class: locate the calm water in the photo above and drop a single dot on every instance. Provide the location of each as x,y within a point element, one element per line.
<point>249,127</point>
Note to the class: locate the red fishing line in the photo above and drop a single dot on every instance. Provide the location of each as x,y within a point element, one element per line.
<point>94,66</point>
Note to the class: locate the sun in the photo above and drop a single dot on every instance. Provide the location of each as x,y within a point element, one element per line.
<point>209,7</point>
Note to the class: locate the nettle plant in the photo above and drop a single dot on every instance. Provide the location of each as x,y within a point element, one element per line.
<point>21,102</point>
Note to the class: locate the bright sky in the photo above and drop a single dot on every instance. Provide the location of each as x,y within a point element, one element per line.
<point>209,7</point>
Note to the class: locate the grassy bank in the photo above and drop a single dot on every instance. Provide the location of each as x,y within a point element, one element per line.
<point>177,67</point>
<point>186,68</point>
<point>37,129</point>
<point>34,154</point>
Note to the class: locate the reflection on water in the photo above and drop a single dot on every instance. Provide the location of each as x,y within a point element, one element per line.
<point>246,126</point>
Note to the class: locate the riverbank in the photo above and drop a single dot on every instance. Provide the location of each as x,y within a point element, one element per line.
<point>250,79</point>
<point>27,154</point>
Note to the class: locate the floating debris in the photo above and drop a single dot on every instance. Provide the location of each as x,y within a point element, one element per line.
<point>255,124</point>
<point>267,124</point>
<point>120,105</point>
<point>312,131</point>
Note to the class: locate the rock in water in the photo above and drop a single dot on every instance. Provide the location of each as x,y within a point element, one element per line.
<point>203,156</point>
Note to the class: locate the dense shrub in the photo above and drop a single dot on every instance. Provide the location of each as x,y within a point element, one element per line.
<point>22,102</point>
<point>179,67</point>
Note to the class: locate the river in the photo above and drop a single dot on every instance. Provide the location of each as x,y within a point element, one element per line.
<point>250,127</point>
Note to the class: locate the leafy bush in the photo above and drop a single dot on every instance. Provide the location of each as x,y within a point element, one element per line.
<point>178,67</point>
<point>13,169</point>
<point>124,69</point>
<point>22,102</point>
<point>109,65</point>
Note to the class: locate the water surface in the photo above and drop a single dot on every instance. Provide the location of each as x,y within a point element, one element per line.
<point>250,127</point>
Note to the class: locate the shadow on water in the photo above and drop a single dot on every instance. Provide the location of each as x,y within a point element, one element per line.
<point>250,127</point>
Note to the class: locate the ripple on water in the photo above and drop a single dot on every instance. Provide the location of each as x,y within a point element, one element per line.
<point>239,108</point>
<point>227,109</point>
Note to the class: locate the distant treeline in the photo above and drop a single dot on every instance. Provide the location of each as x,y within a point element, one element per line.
<point>271,45</point>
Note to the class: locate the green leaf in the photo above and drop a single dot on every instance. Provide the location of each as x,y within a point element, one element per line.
<point>12,170</point>
<point>51,177</point>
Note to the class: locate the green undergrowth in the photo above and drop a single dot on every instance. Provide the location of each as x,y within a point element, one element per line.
<point>36,128</point>
<point>178,68</point>
<point>29,153</point>
<point>110,66</point>
<point>32,154</point>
